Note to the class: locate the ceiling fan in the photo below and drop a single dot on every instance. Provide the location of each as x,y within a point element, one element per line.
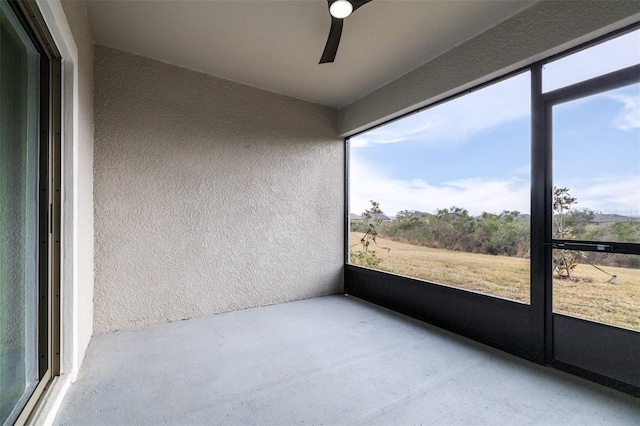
<point>338,9</point>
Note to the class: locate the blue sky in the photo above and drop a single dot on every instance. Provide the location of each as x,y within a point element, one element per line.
<point>474,152</point>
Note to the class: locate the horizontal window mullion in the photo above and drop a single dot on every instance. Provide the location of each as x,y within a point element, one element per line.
<point>611,81</point>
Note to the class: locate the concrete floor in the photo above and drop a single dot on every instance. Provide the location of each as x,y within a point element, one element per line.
<point>329,360</point>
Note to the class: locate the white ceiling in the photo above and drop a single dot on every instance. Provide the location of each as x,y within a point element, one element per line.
<point>276,45</point>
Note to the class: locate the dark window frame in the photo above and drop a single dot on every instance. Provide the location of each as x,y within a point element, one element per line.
<point>440,304</point>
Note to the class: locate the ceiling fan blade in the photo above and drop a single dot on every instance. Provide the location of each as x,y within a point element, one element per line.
<point>331,48</point>
<point>358,4</point>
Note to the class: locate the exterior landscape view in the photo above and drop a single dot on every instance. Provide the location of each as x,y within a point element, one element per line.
<point>444,195</point>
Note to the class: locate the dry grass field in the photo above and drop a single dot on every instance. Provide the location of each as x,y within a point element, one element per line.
<point>508,277</point>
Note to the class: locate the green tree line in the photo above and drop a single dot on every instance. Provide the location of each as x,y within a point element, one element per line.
<point>503,234</point>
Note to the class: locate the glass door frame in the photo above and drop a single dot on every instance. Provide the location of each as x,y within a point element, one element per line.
<point>50,201</point>
<point>542,242</point>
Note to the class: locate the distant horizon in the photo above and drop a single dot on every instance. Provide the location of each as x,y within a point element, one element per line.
<point>394,215</point>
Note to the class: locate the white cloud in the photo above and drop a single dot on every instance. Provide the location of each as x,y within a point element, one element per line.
<point>629,117</point>
<point>611,194</point>
<point>393,133</point>
<point>394,195</point>
<point>458,119</point>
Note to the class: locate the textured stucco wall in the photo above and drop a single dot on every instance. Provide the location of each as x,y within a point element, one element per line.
<point>546,28</point>
<point>79,25</point>
<point>210,196</point>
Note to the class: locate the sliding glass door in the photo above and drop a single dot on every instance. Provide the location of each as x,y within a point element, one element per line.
<point>29,209</point>
<point>19,148</point>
